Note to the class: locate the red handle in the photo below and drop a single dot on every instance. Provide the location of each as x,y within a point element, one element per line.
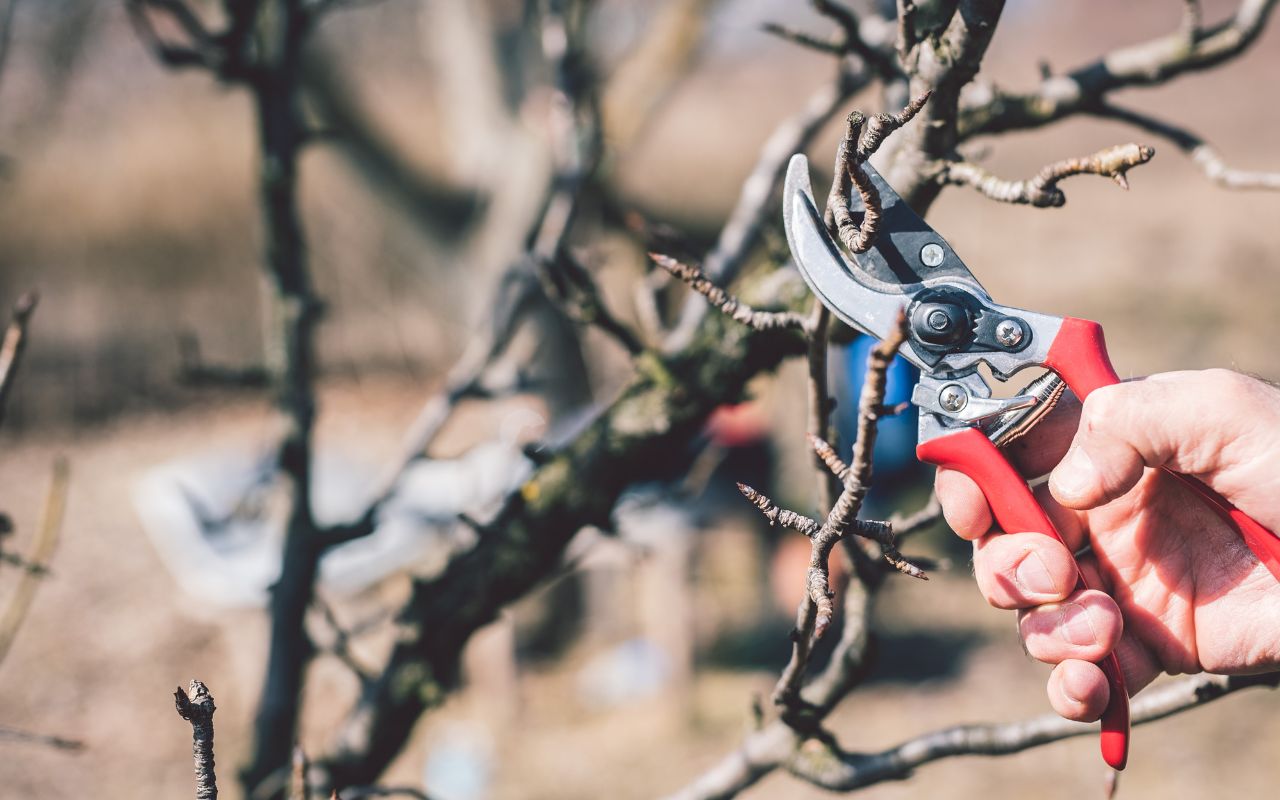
<point>1079,356</point>
<point>1016,509</point>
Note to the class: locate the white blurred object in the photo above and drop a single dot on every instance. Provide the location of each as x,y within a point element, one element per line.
<point>460,766</point>
<point>217,519</point>
<point>633,670</point>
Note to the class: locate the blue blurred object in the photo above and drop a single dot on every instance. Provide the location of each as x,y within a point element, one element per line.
<point>895,453</point>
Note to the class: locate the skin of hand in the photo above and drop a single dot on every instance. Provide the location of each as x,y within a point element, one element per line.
<point>1188,594</point>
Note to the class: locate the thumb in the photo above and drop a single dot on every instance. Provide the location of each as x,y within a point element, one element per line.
<point>1217,425</point>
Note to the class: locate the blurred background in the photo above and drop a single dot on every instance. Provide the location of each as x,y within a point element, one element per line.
<point>128,200</point>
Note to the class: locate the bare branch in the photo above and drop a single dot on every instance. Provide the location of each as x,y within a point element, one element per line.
<point>1148,64</point>
<point>777,745</point>
<point>577,291</point>
<point>852,41</point>
<point>855,148</point>
<point>817,610</point>
<point>38,559</point>
<point>1200,151</point>
<point>15,341</point>
<point>928,514</point>
<point>819,423</point>
<point>827,455</point>
<point>195,705</point>
<point>726,303</point>
<point>642,436</point>
<point>1042,190</point>
<point>778,515</point>
<point>830,46</point>
<point>836,770</point>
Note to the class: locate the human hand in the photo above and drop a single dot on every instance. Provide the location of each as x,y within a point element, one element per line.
<point>1192,596</point>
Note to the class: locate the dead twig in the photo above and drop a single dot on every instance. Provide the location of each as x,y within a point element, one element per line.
<point>1042,190</point>
<point>195,705</point>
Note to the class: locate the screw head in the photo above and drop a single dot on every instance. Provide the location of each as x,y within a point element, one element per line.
<point>931,254</point>
<point>1009,333</point>
<point>938,320</point>
<point>953,397</point>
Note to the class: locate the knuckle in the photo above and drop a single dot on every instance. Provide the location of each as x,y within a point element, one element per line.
<point>1102,406</point>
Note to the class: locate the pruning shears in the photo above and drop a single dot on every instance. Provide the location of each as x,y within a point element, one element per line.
<point>953,326</point>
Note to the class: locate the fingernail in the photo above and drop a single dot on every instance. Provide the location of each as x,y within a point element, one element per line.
<point>1072,478</point>
<point>1075,626</point>
<point>1033,576</point>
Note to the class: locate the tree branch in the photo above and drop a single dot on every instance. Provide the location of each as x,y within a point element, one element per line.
<point>726,303</point>
<point>1148,64</point>
<point>642,436</point>
<point>195,705</point>
<point>1042,190</point>
<point>753,209</point>
<point>942,63</point>
<point>837,770</point>
<point>856,147</point>
<point>1201,152</point>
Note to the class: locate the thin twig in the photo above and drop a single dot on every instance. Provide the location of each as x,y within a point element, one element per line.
<point>726,303</point>
<point>38,558</point>
<point>1042,190</point>
<point>776,515</point>
<point>195,705</point>
<point>856,147</point>
<point>819,424</point>
<point>830,46</point>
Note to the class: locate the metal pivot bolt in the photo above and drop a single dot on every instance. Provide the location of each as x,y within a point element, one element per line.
<point>931,254</point>
<point>953,397</point>
<point>1009,333</point>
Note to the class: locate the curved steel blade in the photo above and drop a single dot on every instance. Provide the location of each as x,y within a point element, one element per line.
<point>905,258</point>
